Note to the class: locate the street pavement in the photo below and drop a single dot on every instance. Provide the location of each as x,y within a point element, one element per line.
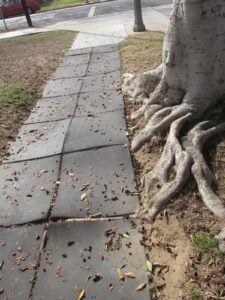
<point>68,199</point>
<point>104,29</point>
<point>78,13</point>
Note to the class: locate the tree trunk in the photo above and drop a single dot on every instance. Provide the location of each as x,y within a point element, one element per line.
<point>185,97</point>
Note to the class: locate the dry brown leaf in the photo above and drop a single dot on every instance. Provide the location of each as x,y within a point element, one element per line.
<point>81,295</point>
<point>141,287</point>
<point>120,273</point>
<point>83,197</point>
<point>84,187</point>
<point>130,275</point>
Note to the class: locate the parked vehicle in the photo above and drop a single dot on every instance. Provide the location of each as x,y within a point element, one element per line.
<point>14,7</point>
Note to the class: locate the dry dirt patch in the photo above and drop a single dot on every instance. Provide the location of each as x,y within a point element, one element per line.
<point>26,63</point>
<point>180,243</point>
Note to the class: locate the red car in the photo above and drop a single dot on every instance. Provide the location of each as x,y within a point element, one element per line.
<point>14,7</point>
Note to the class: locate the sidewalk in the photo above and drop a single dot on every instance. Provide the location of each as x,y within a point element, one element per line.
<point>67,223</point>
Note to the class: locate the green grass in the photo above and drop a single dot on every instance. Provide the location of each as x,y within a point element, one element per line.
<point>206,243</point>
<point>16,96</point>
<point>55,4</point>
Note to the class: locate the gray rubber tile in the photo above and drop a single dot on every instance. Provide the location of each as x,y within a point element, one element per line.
<point>95,131</point>
<point>62,87</point>
<point>53,109</point>
<point>86,256</point>
<point>101,82</point>
<point>19,249</point>
<point>106,57</point>
<point>74,61</point>
<point>106,48</point>
<point>103,176</point>
<point>27,190</point>
<point>103,67</point>
<point>38,140</point>
<point>70,72</point>
<point>98,102</point>
<point>79,51</point>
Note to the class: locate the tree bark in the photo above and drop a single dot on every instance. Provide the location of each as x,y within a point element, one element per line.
<point>184,97</point>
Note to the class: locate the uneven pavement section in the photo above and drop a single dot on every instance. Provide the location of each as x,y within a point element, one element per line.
<point>70,169</point>
<point>94,103</point>
<point>104,175</point>
<point>92,256</point>
<point>96,131</point>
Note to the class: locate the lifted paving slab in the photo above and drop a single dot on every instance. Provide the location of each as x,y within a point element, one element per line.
<point>88,50</point>
<point>104,57</point>
<point>19,249</point>
<point>101,82</point>
<point>99,102</point>
<point>104,175</point>
<point>105,48</point>
<point>79,51</point>
<point>27,190</point>
<point>38,140</point>
<point>62,87</point>
<point>70,72</point>
<point>86,256</point>
<point>96,131</point>
<point>74,61</point>
<point>53,109</point>
<point>103,67</point>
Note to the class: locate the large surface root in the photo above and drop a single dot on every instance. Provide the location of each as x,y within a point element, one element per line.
<point>182,157</point>
<point>141,86</point>
<point>159,123</point>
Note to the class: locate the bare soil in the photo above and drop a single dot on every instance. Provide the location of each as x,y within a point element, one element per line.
<point>26,63</point>
<point>181,270</point>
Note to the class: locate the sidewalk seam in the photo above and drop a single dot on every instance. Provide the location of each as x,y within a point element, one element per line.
<point>44,236</point>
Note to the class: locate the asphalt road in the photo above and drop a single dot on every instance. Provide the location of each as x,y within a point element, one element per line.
<point>75,13</point>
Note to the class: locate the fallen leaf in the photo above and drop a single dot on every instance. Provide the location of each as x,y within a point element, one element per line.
<point>83,197</point>
<point>125,235</point>
<point>70,243</point>
<point>81,295</point>
<point>121,274</point>
<point>2,243</point>
<point>149,265</point>
<point>97,277</point>
<point>141,287</point>
<point>84,186</point>
<point>1,264</point>
<point>130,275</point>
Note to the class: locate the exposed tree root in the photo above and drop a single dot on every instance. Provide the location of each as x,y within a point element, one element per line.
<point>141,86</point>
<point>159,123</point>
<point>173,155</point>
<point>182,156</point>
